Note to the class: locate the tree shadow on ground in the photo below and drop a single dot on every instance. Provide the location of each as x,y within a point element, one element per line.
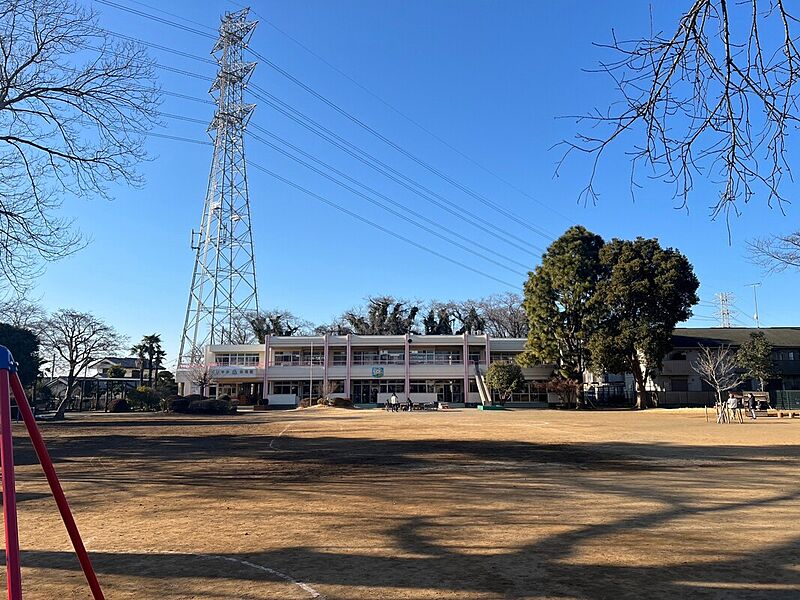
<point>546,564</point>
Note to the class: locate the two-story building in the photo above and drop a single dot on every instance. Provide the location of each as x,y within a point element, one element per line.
<point>678,380</point>
<point>366,369</point>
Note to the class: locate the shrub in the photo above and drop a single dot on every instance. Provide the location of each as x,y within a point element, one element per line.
<point>337,402</point>
<point>194,398</point>
<point>144,398</point>
<point>119,405</point>
<point>175,404</point>
<point>212,406</point>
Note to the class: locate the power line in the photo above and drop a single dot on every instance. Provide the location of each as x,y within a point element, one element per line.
<point>351,117</point>
<point>380,204</point>
<point>400,149</point>
<point>378,226</point>
<point>153,17</point>
<point>386,170</point>
<point>354,151</point>
<point>411,120</point>
<point>338,207</point>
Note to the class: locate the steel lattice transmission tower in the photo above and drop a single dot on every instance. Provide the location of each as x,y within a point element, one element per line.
<point>724,312</point>
<point>223,289</point>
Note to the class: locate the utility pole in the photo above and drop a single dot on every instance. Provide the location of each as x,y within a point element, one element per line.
<point>724,301</point>
<point>755,287</point>
<point>223,287</point>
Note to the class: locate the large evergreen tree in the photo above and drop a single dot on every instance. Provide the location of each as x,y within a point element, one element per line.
<point>24,346</point>
<point>557,302</point>
<point>644,292</point>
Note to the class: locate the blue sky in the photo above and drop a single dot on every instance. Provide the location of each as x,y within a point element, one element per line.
<point>490,78</point>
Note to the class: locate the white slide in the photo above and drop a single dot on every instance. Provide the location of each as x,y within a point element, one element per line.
<point>486,397</point>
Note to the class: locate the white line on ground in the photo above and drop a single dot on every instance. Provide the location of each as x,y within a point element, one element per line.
<point>272,441</point>
<point>288,578</point>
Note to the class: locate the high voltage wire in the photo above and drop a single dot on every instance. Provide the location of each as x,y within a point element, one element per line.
<point>380,204</point>
<point>370,160</point>
<point>379,226</point>
<point>358,153</point>
<point>340,208</point>
<point>411,120</point>
<point>349,116</point>
<point>363,219</point>
<point>371,190</point>
<point>400,149</point>
<point>365,89</point>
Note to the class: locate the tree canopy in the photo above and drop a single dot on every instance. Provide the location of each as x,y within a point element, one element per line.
<point>24,346</point>
<point>505,378</point>
<point>77,338</point>
<point>644,292</point>
<point>557,302</point>
<point>755,357</point>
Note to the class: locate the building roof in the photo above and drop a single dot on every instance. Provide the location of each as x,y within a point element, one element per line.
<point>687,337</point>
<point>125,363</point>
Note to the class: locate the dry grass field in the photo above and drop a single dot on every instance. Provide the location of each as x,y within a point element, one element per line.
<point>460,504</point>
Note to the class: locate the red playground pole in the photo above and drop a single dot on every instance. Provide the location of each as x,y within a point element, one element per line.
<point>13,575</point>
<point>50,474</point>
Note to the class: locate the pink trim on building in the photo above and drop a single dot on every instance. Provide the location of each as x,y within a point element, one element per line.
<point>347,379</point>
<point>325,363</point>
<point>407,365</point>
<point>265,390</point>
<point>466,367</point>
<point>488,350</point>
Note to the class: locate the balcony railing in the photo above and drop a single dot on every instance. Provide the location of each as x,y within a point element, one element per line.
<point>294,361</point>
<point>377,359</point>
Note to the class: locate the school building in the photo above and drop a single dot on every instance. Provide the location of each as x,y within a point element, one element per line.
<point>368,369</point>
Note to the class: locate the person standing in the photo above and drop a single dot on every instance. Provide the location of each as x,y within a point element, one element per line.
<point>393,402</point>
<point>751,406</point>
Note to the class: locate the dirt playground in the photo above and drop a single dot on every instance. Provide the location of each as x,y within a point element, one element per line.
<point>462,504</point>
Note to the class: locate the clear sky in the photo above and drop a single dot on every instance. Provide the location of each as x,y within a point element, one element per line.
<point>490,78</point>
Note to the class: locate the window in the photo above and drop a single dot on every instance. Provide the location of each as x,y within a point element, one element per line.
<point>678,356</point>
<point>241,359</point>
<point>504,356</point>
<point>378,357</point>
<point>435,356</point>
<point>680,384</point>
<point>339,358</point>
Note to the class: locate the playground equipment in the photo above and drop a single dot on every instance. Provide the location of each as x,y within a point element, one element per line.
<point>10,383</point>
<point>483,391</point>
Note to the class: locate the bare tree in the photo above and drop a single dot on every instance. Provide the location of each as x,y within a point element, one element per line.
<point>77,338</point>
<point>74,108</point>
<point>777,253</point>
<point>200,375</point>
<point>717,366</point>
<point>503,315</point>
<point>21,312</point>
<point>715,98</point>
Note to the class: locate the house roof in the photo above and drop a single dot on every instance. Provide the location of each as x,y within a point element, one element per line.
<point>687,337</point>
<point>125,363</point>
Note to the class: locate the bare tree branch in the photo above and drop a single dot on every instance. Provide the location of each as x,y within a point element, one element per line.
<point>715,99</point>
<point>776,254</point>
<point>74,108</point>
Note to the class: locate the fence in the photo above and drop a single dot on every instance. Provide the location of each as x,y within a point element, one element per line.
<point>787,399</point>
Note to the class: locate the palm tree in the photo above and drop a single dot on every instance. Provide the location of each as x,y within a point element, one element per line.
<point>140,351</point>
<point>158,361</point>
<point>152,344</point>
